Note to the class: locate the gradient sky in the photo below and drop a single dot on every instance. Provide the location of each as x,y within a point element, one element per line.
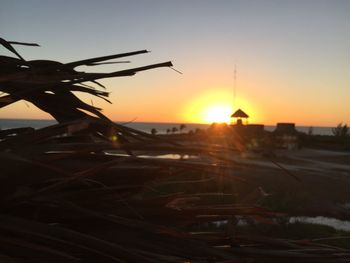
<point>292,57</point>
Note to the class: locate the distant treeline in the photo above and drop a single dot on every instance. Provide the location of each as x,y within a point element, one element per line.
<point>339,140</point>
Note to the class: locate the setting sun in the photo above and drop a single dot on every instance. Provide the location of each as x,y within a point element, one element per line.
<point>215,105</point>
<point>218,113</point>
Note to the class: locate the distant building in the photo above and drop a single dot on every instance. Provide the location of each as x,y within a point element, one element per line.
<point>286,136</point>
<point>238,116</point>
<point>251,130</point>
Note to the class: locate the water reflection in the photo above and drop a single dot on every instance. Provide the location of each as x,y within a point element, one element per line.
<point>172,156</point>
<point>321,220</point>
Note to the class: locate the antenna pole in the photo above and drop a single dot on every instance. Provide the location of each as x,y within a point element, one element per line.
<point>234,86</point>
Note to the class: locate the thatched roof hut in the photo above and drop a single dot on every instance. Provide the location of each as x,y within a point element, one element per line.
<point>239,114</point>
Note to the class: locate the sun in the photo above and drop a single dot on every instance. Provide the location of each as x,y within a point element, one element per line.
<point>216,105</point>
<point>217,113</point>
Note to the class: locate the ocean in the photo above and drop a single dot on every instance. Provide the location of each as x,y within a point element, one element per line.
<point>147,126</point>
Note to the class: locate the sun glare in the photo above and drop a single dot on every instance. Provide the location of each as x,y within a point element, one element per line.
<point>218,113</point>
<point>216,106</point>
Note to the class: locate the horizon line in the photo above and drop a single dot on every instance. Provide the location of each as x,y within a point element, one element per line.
<point>194,123</point>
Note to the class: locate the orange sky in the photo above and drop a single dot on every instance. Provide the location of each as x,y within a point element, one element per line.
<point>293,58</point>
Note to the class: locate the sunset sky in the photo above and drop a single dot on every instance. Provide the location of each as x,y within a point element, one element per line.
<point>292,57</point>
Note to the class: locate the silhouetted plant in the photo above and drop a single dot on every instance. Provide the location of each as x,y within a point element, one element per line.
<point>154,131</point>
<point>174,129</point>
<point>198,130</point>
<point>182,127</point>
<point>341,130</point>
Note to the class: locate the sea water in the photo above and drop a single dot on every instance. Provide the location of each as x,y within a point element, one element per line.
<point>147,126</point>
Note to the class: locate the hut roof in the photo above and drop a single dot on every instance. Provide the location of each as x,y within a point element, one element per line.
<point>239,114</point>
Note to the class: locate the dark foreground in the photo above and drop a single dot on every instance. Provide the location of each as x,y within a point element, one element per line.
<point>83,199</point>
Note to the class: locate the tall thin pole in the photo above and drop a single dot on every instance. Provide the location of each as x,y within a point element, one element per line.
<point>234,86</point>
